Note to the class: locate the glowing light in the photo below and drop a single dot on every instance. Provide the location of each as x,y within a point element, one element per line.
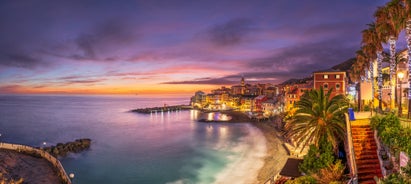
<point>400,75</point>
<point>210,116</point>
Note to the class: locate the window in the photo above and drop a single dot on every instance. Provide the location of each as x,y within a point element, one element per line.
<point>325,86</point>
<point>337,86</point>
<point>325,76</point>
<point>337,76</point>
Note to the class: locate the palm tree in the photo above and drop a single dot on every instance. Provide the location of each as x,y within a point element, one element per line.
<point>358,72</point>
<point>372,41</point>
<point>370,51</point>
<point>318,117</point>
<point>389,25</point>
<point>407,17</point>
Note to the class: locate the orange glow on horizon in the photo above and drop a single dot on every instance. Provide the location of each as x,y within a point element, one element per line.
<point>171,89</point>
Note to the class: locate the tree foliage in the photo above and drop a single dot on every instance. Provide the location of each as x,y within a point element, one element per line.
<point>318,116</point>
<point>330,174</point>
<point>392,133</point>
<point>317,158</point>
<point>302,180</point>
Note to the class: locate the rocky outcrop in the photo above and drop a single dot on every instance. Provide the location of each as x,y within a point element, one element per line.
<point>162,109</point>
<point>71,147</point>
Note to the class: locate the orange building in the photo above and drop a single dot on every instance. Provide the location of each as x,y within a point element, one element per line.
<point>331,79</point>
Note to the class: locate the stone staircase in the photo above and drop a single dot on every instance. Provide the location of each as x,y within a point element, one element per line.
<point>365,149</point>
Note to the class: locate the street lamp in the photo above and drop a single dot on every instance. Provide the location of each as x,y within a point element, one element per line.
<point>71,176</point>
<point>400,76</point>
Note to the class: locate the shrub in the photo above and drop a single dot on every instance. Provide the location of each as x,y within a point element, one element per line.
<point>302,180</point>
<point>331,174</point>
<point>317,158</point>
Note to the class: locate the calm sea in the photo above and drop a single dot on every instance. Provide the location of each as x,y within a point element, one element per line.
<point>131,148</point>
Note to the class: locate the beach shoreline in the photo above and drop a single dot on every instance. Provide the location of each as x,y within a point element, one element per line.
<point>276,155</point>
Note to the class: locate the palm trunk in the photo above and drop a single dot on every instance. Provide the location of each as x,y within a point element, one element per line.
<point>408,33</point>
<point>372,85</point>
<point>379,70</point>
<point>359,96</point>
<point>392,42</point>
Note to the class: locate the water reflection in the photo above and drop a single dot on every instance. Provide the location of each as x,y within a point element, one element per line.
<point>217,116</point>
<point>194,114</point>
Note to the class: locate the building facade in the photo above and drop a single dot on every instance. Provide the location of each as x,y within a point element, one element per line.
<point>331,79</point>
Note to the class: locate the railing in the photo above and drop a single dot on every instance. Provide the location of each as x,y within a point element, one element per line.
<point>351,153</point>
<point>30,150</point>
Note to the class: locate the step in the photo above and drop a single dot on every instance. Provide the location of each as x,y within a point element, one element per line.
<point>364,152</point>
<point>360,147</point>
<point>366,157</point>
<point>364,143</point>
<point>362,135</point>
<point>360,126</point>
<point>366,162</point>
<point>369,172</point>
<point>367,181</point>
<point>359,133</point>
<point>368,166</point>
<point>361,129</point>
<point>364,149</point>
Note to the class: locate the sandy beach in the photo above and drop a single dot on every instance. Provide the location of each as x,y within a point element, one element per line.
<point>33,170</point>
<point>276,154</point>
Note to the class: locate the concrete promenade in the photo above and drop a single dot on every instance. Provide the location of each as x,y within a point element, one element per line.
<point>34,152</point>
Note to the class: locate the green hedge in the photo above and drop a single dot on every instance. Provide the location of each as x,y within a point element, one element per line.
<point>392,133</point>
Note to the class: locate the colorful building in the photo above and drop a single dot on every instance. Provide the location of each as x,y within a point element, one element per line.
<point>331,79</point>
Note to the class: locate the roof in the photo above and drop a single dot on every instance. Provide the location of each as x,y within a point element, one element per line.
<point>329,71</point>
<point>290,168</point>
<point>260,97</point>
<point>270,101</point>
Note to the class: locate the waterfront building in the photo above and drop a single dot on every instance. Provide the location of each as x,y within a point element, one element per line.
<point>258,103</point>
<point>199,99</point>
<point>222,90</point>
<point>236,90</point>
<point>247,102</point>
<point>270,92</point>
<point>239,89</point>
<point>328,79</point>
<point>290,98</point>
<point>270,108</point>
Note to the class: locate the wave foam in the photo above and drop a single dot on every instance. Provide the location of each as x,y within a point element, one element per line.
<point>245,167</point>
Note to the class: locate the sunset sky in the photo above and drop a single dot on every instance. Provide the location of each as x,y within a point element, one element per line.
<point>171,46</point>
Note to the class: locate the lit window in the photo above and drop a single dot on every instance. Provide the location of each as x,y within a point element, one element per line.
<point>325,76</point>
<point>337,86</point>
<point>325,86</point>
<point>337,76</point>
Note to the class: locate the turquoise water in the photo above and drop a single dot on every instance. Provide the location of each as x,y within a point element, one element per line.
<point>131,148</point>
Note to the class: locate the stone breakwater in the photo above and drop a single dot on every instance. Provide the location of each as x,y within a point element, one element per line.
<point>71,147</point>
<point>162,109</point>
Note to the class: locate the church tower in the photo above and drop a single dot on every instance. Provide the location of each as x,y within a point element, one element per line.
<point>242,85</point>
<point>242,82</point>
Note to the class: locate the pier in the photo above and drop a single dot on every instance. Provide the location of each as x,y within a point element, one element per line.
<point>165,108</point>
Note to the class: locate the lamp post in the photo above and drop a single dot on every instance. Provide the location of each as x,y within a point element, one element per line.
<point>400,76</point>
